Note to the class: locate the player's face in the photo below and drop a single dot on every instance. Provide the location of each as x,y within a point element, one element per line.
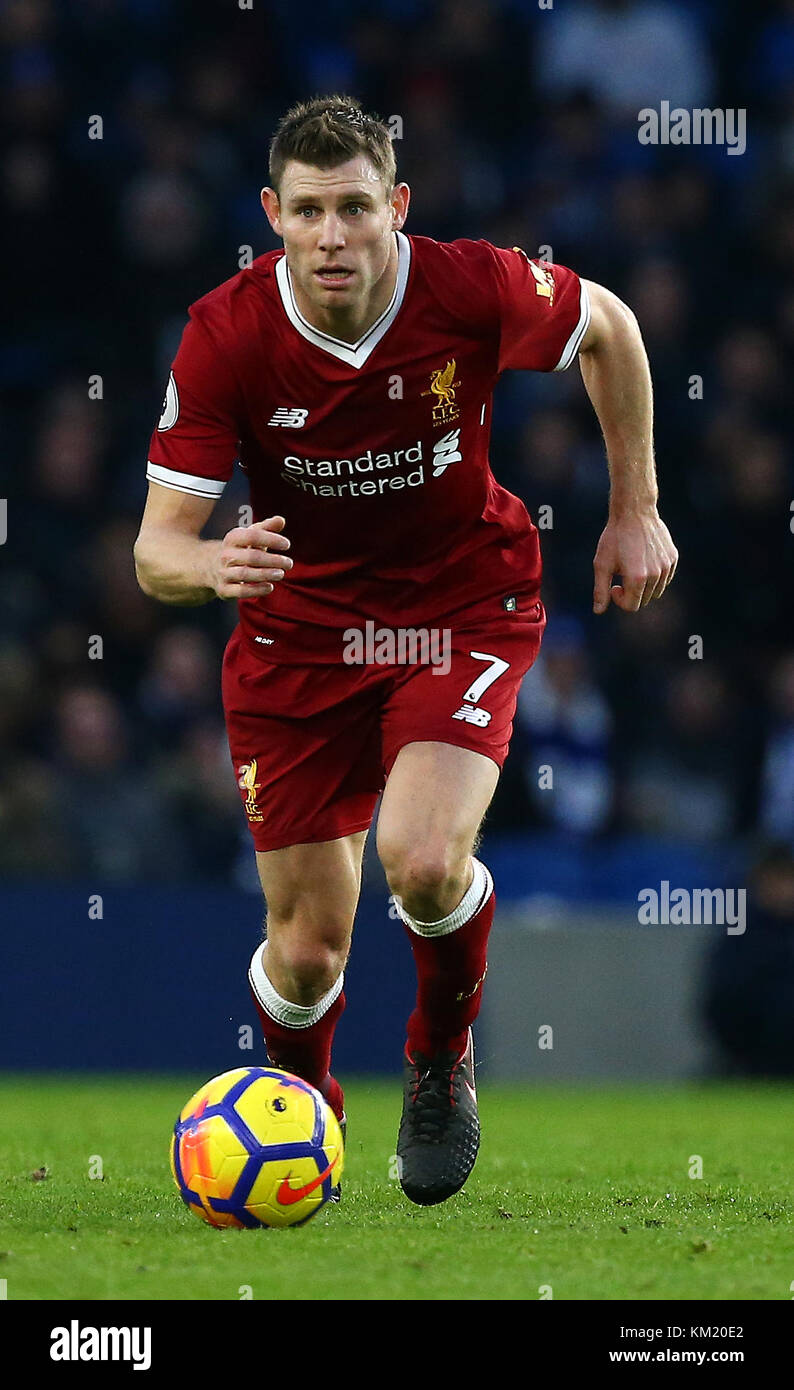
<point>337,227</point>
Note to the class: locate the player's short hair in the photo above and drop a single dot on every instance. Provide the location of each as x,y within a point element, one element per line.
<point>328,131</point>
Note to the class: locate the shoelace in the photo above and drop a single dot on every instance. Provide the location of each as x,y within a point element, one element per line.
<point>431,1101</point>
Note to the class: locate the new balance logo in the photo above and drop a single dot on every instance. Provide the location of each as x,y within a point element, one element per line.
<point>445,451</point>
<point>289,417</point>
<point>472,714</point>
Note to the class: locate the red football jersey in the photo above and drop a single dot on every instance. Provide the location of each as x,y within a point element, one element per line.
<point>376,453</point>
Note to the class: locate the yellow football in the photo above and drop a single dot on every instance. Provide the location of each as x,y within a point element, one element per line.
<point>256,1147</point>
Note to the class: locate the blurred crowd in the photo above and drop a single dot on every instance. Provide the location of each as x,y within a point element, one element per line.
<point>519,124</point>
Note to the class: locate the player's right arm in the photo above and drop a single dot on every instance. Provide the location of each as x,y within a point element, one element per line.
<point>175,565</point>
<point>191,459</point>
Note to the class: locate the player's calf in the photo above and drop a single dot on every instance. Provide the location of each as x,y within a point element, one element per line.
<point>439,1131</point>
<point>299,1037</point>
<point>450,954</point>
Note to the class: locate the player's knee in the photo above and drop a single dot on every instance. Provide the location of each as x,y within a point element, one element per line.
<point>424,878</point>
<point>306,969</point>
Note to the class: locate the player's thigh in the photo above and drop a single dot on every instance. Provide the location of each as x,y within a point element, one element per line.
<point>435,798</point>
<point>445,734</point>
<point>311,890</point>
<point>306,749</point>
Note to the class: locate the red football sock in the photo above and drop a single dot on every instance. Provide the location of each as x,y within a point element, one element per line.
<point>451,962</point>
<point>299,1038</point>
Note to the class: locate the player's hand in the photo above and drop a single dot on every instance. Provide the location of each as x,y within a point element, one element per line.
<point>638,547</point>
<point>251,560</point>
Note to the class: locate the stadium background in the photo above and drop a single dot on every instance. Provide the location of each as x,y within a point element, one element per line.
<point>519,125</point>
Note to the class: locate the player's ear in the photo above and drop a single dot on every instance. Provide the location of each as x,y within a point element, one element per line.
<point>400,198</point>
<point>270,203</point>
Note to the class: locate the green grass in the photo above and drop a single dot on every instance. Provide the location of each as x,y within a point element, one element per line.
<point>586,1190</point>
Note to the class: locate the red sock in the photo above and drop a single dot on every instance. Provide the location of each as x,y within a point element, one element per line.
<point>451,961</point>
<point>302,1045</point>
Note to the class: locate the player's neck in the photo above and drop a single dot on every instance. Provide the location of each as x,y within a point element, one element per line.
<point>350,323</point>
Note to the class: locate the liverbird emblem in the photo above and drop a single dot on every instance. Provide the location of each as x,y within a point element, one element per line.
<point>247,782</point>
<point>443,386</point>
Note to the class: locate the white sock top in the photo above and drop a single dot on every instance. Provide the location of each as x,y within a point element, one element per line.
<point>283,1010</point>
<point>475,897</point>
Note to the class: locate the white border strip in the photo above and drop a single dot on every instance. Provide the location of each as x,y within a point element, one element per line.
<point>183,482</point>
<point>572,346</point>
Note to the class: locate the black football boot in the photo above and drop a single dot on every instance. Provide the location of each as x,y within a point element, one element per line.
<point>440,1128</point>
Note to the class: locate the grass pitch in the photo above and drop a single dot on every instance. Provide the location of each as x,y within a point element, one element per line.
<point>586,1192</point>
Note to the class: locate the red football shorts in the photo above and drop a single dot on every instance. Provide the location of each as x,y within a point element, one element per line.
<point>312,745</point>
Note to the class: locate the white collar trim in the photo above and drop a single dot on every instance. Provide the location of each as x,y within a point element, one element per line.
<point>354,354</point>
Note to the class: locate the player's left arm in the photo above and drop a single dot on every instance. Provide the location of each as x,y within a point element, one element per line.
<point>635,544</point>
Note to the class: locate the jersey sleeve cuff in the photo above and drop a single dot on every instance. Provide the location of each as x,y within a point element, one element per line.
<point>184,482</point>
<point>574,342</point>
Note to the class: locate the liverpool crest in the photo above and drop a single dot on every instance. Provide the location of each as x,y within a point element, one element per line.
<point>443,386</point>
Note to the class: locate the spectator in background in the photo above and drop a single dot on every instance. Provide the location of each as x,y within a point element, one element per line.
<point>777,791</point>
<point>659,296</point>
<point>743,511</point>
<point>567,725</point>
<point>747,992</point>
<point>66,489</point>
<point>636,670</point>
<point>180,687</point>
<point>199,784</point>
<point>662,54</point>
<point>118,822</point>
<point>33,838</point>
<point>684,779</point>
<point>117,610</point>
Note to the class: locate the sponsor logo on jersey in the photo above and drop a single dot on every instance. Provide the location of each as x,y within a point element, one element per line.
<point>314,475</point>
<point>390,472</point>
<point>289,417</point>
<point>170,411</point>
<point>473,714</point>
<point>446,451</point>
<point>443,386</point>
<point>544,276</point>
<point>247,782</point>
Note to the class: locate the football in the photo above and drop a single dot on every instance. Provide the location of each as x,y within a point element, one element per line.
<point>256,1147</point>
